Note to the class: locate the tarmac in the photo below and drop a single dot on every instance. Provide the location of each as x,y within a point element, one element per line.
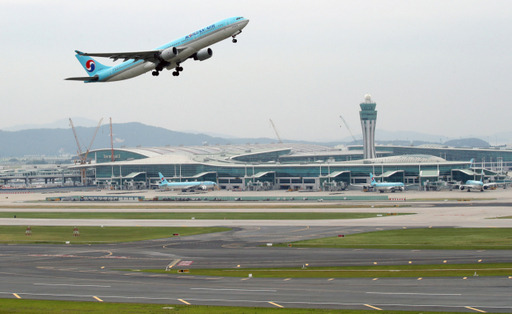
<point>93,272</point>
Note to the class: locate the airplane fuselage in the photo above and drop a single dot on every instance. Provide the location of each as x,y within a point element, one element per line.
<point>188,185</point>
<point>196,41</point>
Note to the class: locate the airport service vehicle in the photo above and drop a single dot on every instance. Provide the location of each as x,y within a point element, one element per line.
<point>386,186</point>
<point>191,185</point>
<point>169,56</point>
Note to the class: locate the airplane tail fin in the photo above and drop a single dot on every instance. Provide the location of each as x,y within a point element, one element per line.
<point>90,65</point>
<point>372,178</point>
<point>162,178</point>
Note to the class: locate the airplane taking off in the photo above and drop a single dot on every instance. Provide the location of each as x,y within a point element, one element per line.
<point>192,185</point>
<point>169,56</point>
<point>386,186</point>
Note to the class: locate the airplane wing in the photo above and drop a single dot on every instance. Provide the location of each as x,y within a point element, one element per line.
<point>150,55</point>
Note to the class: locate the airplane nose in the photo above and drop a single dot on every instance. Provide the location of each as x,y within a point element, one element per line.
<point>245,22</point>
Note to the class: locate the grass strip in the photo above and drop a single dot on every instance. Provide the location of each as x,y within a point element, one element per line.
<point>189,215</point>
<point>91,235</point>
<point>44,306</point>
<point>419,239</point>
<point>373,271</point>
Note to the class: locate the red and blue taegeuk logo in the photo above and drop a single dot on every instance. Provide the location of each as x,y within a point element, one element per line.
<point>90,65</point>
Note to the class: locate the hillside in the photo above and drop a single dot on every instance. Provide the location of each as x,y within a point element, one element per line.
<point>53,142</point>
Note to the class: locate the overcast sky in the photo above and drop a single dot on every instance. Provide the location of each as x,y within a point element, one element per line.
<point>439,67</point>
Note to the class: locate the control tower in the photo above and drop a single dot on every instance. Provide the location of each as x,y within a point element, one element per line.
<point>368,116</point>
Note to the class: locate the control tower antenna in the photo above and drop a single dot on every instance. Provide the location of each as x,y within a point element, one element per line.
<point>346,125</point>
<point>275,130</point>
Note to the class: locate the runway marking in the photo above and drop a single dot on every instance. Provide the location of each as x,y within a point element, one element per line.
<point>166,299</point>
<point>416,293</point>
<point>247,290</point>
<point>181,300</point>
<point>472,308</point>
<point>373,307</point>
<point>287,279</point>
<point>68,285</point>
<point>275,304</point>
<point>374,279</point>
<point>16,295</point>
<point>330,279</point>
<point>420,278</point>
<point>174,262</point>
<point>303,229</point>
<point>95,297</point>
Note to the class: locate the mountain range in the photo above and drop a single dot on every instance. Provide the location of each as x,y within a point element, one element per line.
<point>43,140</point>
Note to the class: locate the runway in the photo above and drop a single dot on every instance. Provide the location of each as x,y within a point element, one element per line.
<point>95,273</point>
<point>61,272</point>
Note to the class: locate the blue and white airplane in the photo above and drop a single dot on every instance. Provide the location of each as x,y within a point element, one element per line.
<point>169,56</point>
<point>474,184</point>
<point>386,186</point>
<point>192,185</point>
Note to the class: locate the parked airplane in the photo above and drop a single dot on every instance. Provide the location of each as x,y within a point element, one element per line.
<point>192,185</point>
<point>473,184</point>
<point>386,186</point>
<point>169,56</point>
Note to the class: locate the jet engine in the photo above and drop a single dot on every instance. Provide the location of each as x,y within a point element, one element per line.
<point>169,53</point>
<point>203,54</point>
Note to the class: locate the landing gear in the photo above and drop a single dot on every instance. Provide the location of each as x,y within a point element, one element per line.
<point>155,73</point>
<point>234,39</point>
<point>177,71</point>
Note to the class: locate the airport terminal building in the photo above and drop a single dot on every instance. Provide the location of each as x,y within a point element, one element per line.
<point>268,166</point>
<point>280,166</point>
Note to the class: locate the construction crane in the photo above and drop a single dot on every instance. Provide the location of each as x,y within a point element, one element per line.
<point>83,156</point>
<point>275,130</point>
<point>79,151</point>
<point>346,125</point>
